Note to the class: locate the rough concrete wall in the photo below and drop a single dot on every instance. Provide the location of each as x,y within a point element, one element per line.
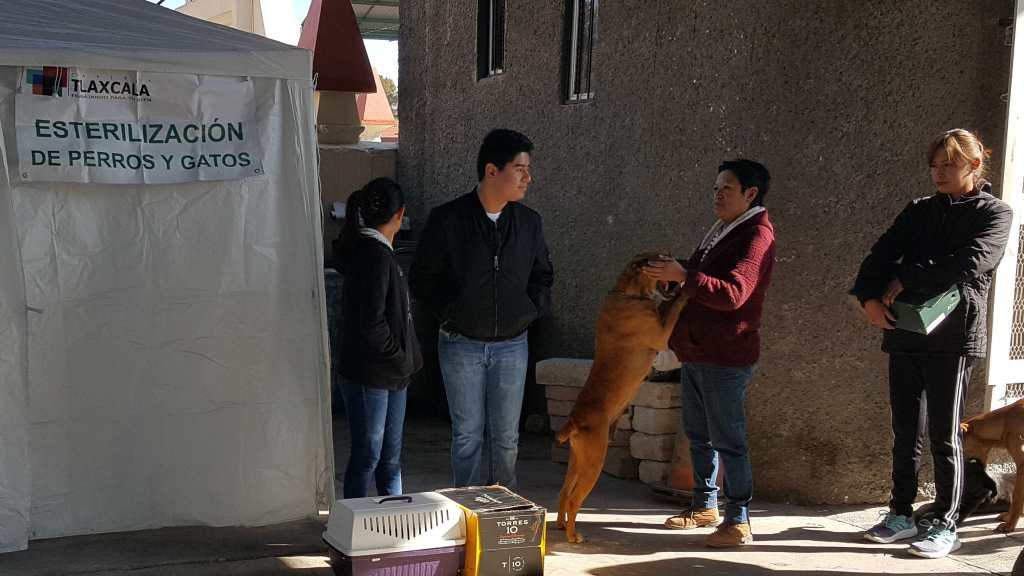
<point>838,98</point>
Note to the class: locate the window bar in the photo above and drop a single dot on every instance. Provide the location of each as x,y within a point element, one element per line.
<point>490,37</point>
<point>590,49</point>
<point>574,49</point>
<point>499,36</point>
<point>584,89</point>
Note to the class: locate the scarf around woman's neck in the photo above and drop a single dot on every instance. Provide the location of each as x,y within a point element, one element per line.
<point>719,230</point>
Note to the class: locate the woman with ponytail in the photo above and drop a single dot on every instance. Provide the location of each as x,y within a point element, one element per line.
<point>379,350</point>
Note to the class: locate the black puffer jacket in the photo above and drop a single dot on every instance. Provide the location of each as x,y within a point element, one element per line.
<point>484,280</point>
<point>378,345</point>
<point>933,244</point>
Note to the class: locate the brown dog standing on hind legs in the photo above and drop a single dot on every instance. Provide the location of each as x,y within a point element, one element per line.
<point>1002,428</point>
<point>631,330</point>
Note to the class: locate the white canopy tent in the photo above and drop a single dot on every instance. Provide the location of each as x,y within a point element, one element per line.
<point>162,347</point>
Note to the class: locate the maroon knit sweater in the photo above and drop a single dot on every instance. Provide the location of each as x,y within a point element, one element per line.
<point>719,325</point>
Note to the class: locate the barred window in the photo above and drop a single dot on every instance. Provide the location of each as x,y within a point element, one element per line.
<point>1017,330</point>
<point>490,38</point>
<point>582,28</point>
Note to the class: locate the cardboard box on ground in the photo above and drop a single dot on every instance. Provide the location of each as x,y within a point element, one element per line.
<point>506,533</point>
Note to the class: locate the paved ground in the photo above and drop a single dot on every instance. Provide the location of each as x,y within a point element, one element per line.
<point>621,522</point>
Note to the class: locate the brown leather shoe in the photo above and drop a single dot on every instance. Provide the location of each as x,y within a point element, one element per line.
<point>729,535</point>
<point>693,519</point>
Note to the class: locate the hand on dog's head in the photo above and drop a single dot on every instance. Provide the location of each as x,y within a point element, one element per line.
<point>633,281</point>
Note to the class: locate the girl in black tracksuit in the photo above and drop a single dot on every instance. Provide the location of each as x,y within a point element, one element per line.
<point>954,238</point>
<point>378,348</point>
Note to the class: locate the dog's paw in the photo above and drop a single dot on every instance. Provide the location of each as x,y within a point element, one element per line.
<point>1006,527</point>
<point>575,538</point>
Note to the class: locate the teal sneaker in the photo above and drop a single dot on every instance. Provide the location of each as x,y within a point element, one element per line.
<point>936,542</point>
<point>894,527</point>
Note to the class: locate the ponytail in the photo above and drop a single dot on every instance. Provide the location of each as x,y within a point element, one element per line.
<point>344,246</point>
<point>373,205</point>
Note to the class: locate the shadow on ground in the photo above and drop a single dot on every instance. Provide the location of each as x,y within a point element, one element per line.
<point>703,566</point>
<point>621,521</point>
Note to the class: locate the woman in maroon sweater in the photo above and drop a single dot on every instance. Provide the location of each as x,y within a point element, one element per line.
<point>717,341</point>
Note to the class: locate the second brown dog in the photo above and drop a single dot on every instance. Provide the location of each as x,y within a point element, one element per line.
<point>1002,428</point>
<point>631,330</point>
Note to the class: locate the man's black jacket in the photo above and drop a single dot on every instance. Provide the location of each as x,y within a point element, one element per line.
<point>484,280</point>
<point>933,244</point>
<point>378,345</point>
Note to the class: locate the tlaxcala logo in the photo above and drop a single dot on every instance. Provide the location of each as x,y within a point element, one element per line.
<point>48,81</point>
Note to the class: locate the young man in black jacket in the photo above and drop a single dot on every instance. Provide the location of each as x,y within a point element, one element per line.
<point>953,238</point>
<point>482,268</point>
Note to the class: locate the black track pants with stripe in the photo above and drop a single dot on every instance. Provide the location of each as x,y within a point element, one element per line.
<point>927,393</point>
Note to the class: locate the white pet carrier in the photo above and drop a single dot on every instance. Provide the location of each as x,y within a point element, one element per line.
<point>382,525</point>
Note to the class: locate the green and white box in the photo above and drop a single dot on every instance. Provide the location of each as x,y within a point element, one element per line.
<point>922,312</point>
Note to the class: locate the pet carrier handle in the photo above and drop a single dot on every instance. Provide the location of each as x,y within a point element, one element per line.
<point>407,499</point>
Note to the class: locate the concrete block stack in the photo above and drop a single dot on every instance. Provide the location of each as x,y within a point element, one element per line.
<point>641,446</point>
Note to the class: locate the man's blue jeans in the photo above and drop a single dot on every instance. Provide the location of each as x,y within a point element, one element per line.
<point>375,420</point>
<point>485,383</point>
<point>715,423</point>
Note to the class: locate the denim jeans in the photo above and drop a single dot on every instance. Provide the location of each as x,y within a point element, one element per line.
<point>485,383</point>
<point>375,419</point>
<point>715,423</point>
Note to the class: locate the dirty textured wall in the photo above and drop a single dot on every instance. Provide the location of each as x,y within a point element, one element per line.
<point>838,98</point>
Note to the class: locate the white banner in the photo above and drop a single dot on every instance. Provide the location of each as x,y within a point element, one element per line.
<point>126,127</point>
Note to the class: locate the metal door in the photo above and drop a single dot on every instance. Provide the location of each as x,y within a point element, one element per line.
<point>1006,352</point>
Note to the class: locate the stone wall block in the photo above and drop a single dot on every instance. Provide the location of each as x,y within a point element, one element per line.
<point>620,463</point>
<point>626,420</point>
<point>657,420</point>
<point>563,372</point>
<point>562,393</point>
<point>620,437</point>
<point>658,395</point>
<point>557,422</point>
<point>651,471</point>
<point>657,447</point>
<point>559,408</point>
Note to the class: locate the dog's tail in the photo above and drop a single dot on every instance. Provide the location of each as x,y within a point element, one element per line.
<point>568,431</point>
